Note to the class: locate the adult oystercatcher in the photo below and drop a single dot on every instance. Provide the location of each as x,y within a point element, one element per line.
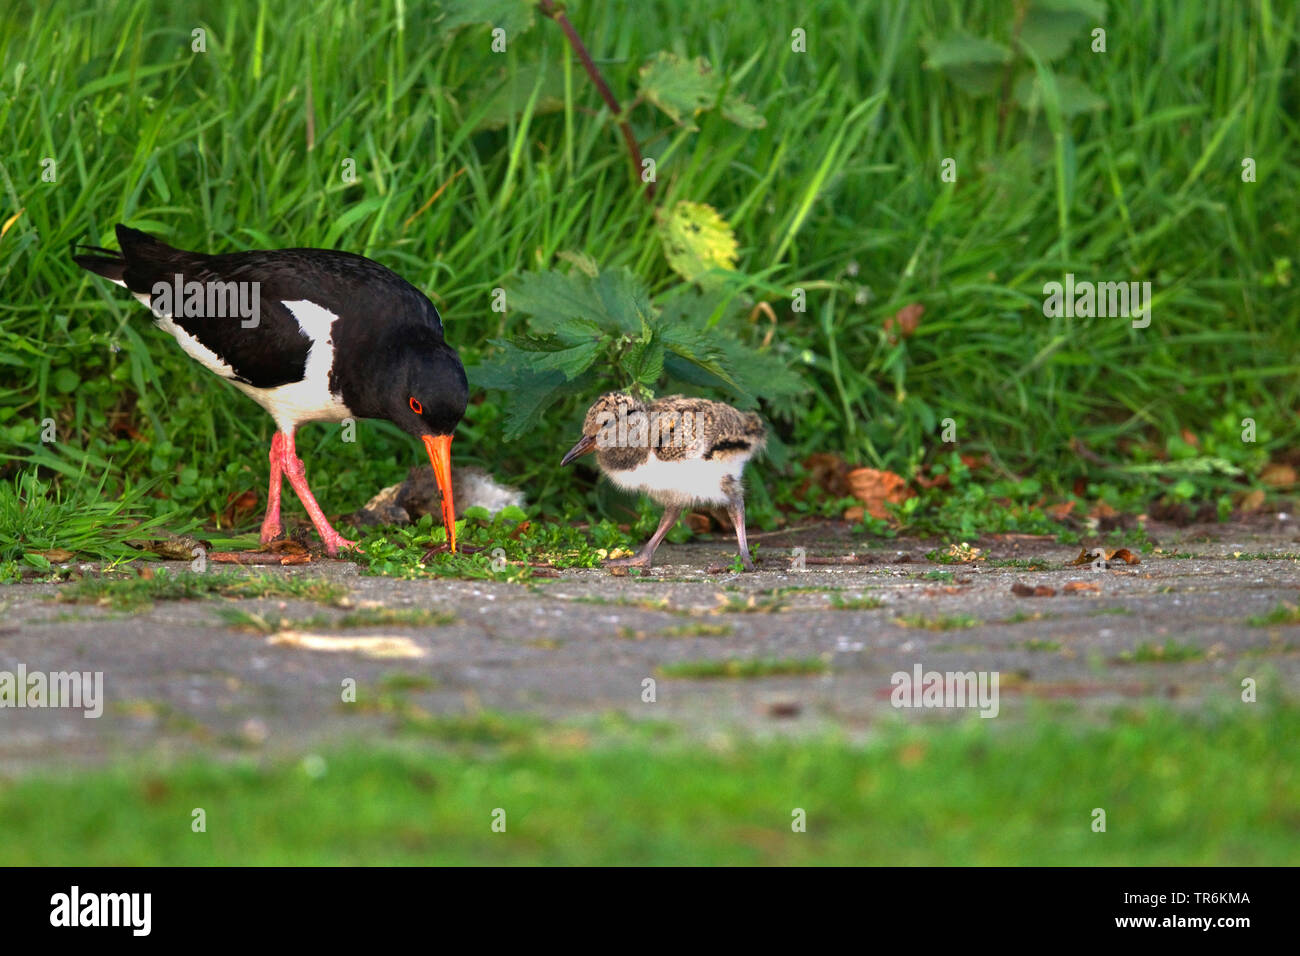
<point>679,451</point>
<point>311,335</point>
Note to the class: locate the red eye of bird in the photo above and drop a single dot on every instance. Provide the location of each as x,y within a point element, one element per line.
<point>417,407</point>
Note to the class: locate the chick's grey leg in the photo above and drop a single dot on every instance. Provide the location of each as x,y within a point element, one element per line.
<point>736,510</point>
<point>643,557</point>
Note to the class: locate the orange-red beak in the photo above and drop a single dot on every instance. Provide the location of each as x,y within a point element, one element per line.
<point>439,448</point>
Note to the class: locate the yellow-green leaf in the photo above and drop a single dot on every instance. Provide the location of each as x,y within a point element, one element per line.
<point>696,240</point>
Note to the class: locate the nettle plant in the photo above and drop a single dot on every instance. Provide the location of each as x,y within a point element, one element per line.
<point>588,330</point>
<point>1012,59</point>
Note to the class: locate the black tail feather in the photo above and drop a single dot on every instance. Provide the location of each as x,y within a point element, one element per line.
<point>136,245</point>
<point>106,262</point>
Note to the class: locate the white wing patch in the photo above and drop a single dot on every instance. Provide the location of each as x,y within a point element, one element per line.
<point>292,404</point>
<point>192,346</point>
<point>309,400</point>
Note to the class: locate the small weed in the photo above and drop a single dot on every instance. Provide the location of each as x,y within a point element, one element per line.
<point>863,603</point>
<point>948,623</point>
<point>136,593</point>
<point>745,668</point>
<point>1170,652</point>
<point>1035,644</point>
<point>1284,614</point>
<point>698,630</point>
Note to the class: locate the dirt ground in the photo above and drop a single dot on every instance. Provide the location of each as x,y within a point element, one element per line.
<point>178,678</point>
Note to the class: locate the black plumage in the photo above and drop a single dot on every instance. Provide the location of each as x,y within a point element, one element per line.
<point>333,335</point>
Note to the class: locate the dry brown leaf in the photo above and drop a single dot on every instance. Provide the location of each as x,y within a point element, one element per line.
<point>905,320</point>
<point>1277,475</point>
<point>1058,512</point>
<point>699,522</point>
<point>1251,501</point>
<point>1076,586</point>
<point>875,489</point>
<point>1024,590</point>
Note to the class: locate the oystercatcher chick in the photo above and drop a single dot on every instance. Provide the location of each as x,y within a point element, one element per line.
<point>679,451</point>
<point>311,335</point>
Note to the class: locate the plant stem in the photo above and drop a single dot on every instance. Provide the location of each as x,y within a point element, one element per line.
<point>555,12</point>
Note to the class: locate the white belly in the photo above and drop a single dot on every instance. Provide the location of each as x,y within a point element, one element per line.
<point>692,480</point>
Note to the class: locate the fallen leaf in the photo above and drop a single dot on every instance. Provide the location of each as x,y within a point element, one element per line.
<point>826,471</point>
<point>1277,475</point>
<point>854,514</point>
<point>784,708</point>
<point>55,555</point>
<point>1251,501</point>
<point>875,489</point>
<point>1024,590</point>
<point>238,507</point>
<point>286,546</point>
<point>1101,558</point>
<point>370,645</point>
<point>173,548</point>
<point>699,523</point>
<point>905,320</point>
<point>1075,586</point>
<point>1058,512</point>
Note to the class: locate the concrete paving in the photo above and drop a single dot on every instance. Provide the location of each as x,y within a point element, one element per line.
<point>179,679</point>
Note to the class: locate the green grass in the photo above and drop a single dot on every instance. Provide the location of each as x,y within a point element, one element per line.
<point>862,603</point>
<point>698,630</point>
<point>138,593</point>
<point>1170,652</point>
<point>1282,615</point>
<point>945,622</point>
<point>747,667</point>
<point>1216,788</point>
<point>464,179</point>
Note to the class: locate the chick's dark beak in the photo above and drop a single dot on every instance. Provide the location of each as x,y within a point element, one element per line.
<point>439,448</point>
<point>585,444</point>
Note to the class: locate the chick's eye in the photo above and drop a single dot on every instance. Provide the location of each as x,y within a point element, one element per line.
<point>417,407</point>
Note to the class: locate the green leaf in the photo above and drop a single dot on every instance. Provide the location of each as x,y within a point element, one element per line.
<point>528,390</point>
<point>513,16</point>
<point>696,240</point>
<point>1073,94</point>
<point>973,63</point>
<point>684,88</point>
<point>505,94</point>
<point>681,88</point>
<point>1092,9</point>
<point>644,362</point>
<point>963,49</point>
<point>1050,33</point>
<point>65,380</point>
<point>615,301</point>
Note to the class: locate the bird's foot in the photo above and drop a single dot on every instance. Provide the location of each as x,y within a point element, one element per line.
<point>270,532</point>
<point>336,541</point>
<point>637,560</point>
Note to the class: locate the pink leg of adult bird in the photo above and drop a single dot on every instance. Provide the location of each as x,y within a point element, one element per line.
<point>297,475</point>
<point>271,527</point>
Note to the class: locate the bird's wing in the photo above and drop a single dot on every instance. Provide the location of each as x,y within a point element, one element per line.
<point>701,429</point>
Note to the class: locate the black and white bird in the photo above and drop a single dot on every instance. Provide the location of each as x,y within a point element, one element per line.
<point>679,451</point>
<point>311,335</point>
